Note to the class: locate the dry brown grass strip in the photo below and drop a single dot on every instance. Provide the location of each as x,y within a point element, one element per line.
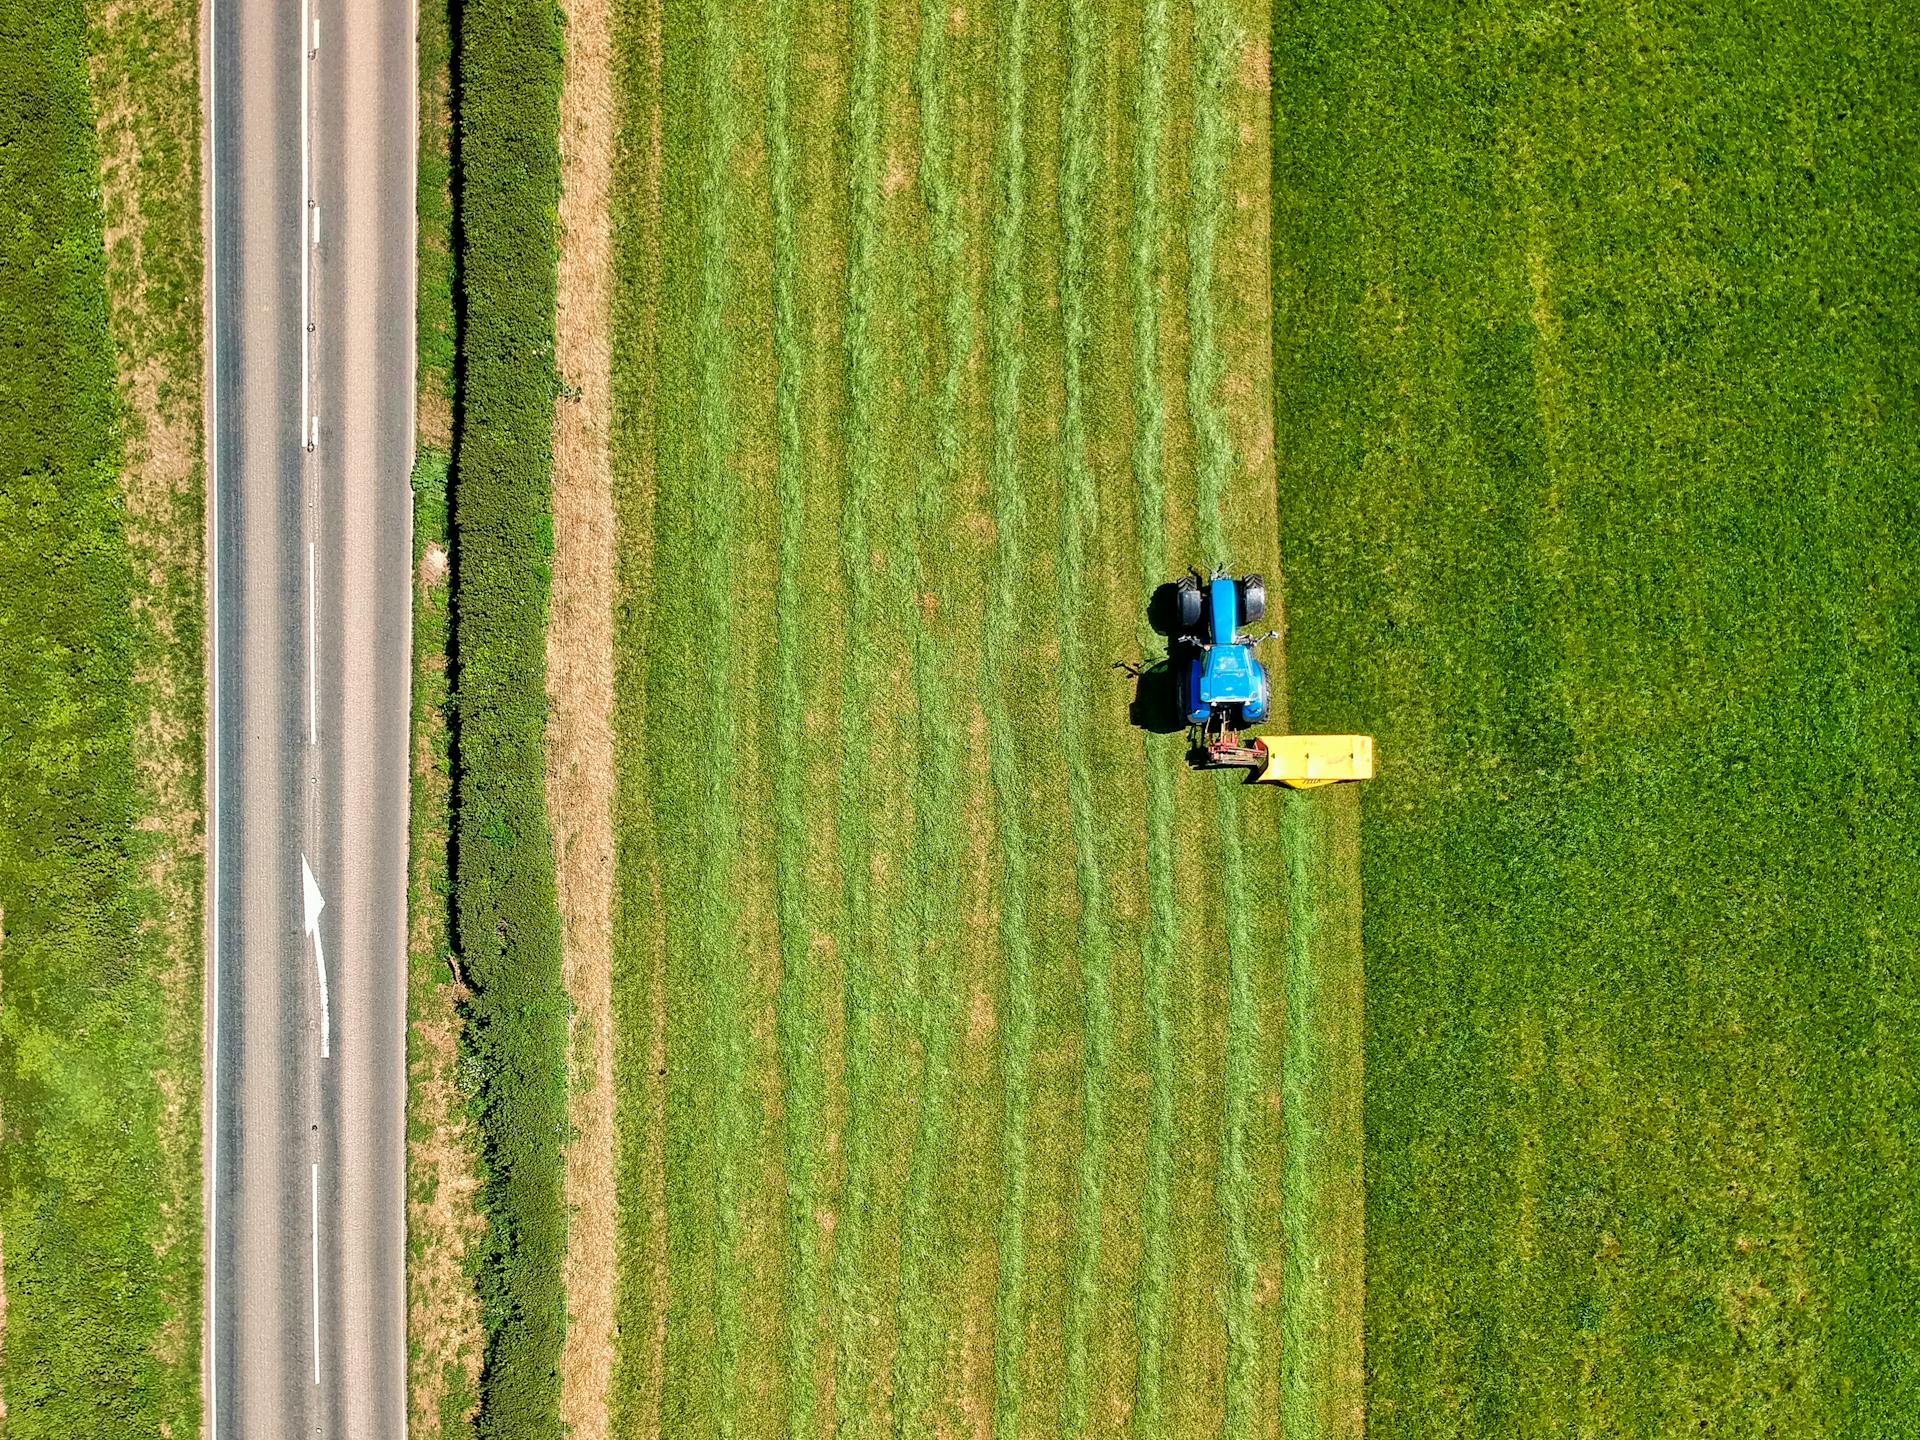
<point>580,774</point>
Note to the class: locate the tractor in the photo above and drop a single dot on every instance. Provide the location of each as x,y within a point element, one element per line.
<point>1223,692</point>
<point>1223,686</point>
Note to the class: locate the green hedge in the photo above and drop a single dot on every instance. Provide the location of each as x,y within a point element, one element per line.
<point>80,1006</point>
<point>506,917</point>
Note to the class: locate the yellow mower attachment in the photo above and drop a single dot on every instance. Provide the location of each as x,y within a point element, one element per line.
<point>1308,761</point>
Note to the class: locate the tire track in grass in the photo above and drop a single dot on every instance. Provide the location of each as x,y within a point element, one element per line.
<point>1078,518</point>
<point>714,514</point>
<point>856,1366</point>
<point>798,1027</point>
<point>937,784</point>
<point>1214,46</point>
<point>1157,951</point>
<point>1004,303</point>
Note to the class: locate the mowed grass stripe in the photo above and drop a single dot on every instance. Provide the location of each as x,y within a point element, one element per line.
<point>716,938</point>
<point>1005,289</point>
<point>641,243</point>
<point>671,672</point>
<point>799,1029</point>
<point>1078,516</point>
<point>1110,613</point>
<point>1214,43</point>
<point>919,1406</point>
<point>1158,945</point>
<point>858,1368</point>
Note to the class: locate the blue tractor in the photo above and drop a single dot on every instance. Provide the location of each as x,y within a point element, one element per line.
<point>1223,686</point>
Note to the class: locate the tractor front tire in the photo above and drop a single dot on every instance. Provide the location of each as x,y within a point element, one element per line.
<point>1253,600</point>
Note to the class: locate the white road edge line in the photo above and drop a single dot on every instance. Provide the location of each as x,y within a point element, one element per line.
<point>213,712</point>
<point>306,199</point>
<point>315,1192</point>
<point>313,702</point>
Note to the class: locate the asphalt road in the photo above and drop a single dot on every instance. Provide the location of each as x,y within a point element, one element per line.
<point>311,197</point>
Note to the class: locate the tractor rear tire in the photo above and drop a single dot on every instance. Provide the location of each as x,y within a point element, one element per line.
<point>1253,600</point>
<point>1192,602</point>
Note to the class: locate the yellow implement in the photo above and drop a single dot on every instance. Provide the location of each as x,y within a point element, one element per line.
<point>1308,761</point>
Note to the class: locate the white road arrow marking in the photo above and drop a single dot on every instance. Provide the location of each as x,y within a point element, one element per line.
<point>315,903</point>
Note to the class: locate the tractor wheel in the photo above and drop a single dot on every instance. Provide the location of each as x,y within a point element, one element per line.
<point>1191,603</point>
<point>1253,600</point>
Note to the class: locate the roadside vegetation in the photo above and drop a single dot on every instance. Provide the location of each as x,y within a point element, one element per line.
<point>506,923</point>
<point>445,1338</point>
<point>1598,446</point>
<point>941,338</point>
<point>99,728</point>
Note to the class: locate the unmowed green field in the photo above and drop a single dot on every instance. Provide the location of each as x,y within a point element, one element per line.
<point>949,1004</point>
<point>1597,452</point>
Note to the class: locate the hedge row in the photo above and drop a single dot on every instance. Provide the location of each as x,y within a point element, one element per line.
<point>507,927</point>
<point>80,1173</point>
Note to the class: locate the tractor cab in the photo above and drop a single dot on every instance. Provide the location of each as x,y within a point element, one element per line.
<point>1222,684</point>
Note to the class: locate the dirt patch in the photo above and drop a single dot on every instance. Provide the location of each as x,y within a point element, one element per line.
<point>580,774</point>
<point>443,1309</point>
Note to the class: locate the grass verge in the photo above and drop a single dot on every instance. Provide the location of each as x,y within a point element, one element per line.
<point>445,1338</point>
<point>98,1049</point>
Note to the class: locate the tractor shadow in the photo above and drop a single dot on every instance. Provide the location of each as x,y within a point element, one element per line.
<point>1155,706</point>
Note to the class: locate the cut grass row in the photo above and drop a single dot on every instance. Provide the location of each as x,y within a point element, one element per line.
<point>801,1025</point>
<point>1078,518</point>
<point>1001,622</point>
<point>100,1327</point>
<point>858,1365</point>
<point>1161,938</point>
<point>920,1408</point>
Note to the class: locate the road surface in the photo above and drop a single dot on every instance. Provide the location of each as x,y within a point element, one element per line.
<point>310,177</point>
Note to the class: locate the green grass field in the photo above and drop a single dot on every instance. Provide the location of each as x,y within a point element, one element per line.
<point>948,1006</point>
<point>1597,452</point>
